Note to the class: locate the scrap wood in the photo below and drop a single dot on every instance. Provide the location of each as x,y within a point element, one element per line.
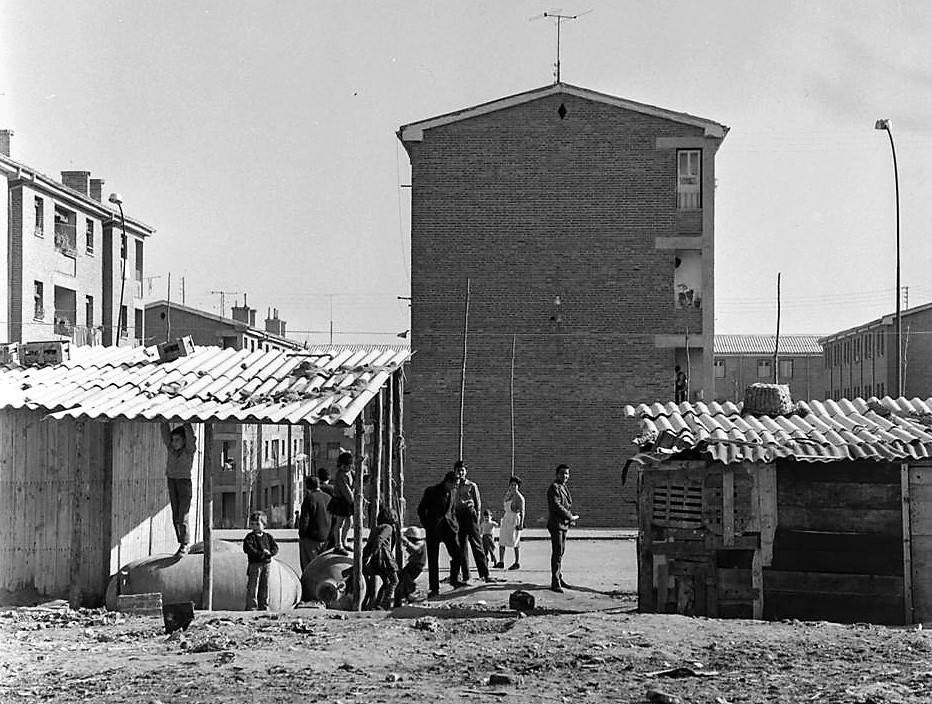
<point>677,672</point>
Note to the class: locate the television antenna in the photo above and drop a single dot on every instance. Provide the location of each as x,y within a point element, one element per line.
<point>555,15</point>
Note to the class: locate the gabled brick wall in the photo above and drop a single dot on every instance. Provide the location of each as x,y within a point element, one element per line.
<point>530,206</point>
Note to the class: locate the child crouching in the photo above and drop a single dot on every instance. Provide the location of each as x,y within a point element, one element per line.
<point>415,545</point>
<point>378,560</point>
<point>260,547</point>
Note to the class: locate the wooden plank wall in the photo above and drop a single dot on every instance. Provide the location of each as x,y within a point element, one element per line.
<point>141,516</point>
<point>55,496</point>
<point>837,551</point>
<point>44,479</point>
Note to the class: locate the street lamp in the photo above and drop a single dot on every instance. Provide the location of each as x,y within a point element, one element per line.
<point>117,200</point>
<point>885,125</point>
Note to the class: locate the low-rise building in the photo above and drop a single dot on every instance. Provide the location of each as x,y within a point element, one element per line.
<point>861,361</point>
<point>71,271</point>
<point>742,360</point>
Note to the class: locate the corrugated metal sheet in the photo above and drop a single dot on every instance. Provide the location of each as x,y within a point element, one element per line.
<point>764,344</point>
<point>821,431</point>
<point>321,385</point>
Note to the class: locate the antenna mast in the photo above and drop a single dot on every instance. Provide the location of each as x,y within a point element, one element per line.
<point>559,18</point>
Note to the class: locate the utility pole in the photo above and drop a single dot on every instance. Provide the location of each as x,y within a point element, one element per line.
<point>223,295</point>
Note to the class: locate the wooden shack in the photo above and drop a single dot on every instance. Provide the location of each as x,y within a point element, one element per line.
<point>821,513</point>
<point>82,460</point>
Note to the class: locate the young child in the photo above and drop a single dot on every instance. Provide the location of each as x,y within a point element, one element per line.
<point>487,529</point>
<point>414,543</point>
<point>260,547</point>
<point>378,560</point>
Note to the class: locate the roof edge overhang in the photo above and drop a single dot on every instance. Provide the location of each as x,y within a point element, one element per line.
<point>414,132</point>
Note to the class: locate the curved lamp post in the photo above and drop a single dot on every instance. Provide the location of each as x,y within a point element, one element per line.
<point>885,125</point>
<point>117,200</point>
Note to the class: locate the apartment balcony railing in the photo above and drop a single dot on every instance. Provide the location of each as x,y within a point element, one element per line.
<point>66,239</point>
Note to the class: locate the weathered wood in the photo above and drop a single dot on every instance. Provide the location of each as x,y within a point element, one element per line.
<point>766,475</point>
<point>77,499</point>
<point>884,520</point>
<point>757,586</point>
<point>375,469</point>
<point>661,576</point>
<point>728,507</point>
<point>919,534</point>
<point>140,604</point>
<point>646,590</point>
<point>399,444</point>
<point>735,585</point>
<point>207,583</point>
<point>106,506</point>
<point>841,608</point>
<point>357,515</point>
<point>681,548</point>
<point>832,583</point>
<point>907,545</point>
<point>850,495</point>
<point>866,472</point>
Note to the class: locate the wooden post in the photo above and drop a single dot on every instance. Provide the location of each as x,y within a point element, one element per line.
<point>728,507</point>
<point>357,515</point>
<point>207,501</point>
<point>390,449</point>
<point>106,509</point>
<point>375,467</point>
<point>463,372</point>
<point>908,611</point>
<point>400,443</point>
<point>77,508</point>
<point>776,344</point>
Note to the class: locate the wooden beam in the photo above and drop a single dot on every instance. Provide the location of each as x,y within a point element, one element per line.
<point>77,509</point>
<point>106,509</point>
<point>728,507</point>
<point>399,382</point>
<point>375,467</point>
<point>389,467</point>
<point>647,599</point>
<point>908,608</point>
<point>357,515</point>
<point>207,583</point>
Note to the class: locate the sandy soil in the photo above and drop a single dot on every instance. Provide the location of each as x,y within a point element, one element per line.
<point>448,653</point>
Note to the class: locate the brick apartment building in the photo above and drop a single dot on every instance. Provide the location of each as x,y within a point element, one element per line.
<point>742,360</point>
<point>273,459</point>
<point>63,254</point>
<point>861,361</point>
<point>585,224</point>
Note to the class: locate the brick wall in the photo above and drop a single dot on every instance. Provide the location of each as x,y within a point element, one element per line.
<point>531,207</point>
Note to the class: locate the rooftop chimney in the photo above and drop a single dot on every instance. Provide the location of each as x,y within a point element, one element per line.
<point>5,137</point>
<point>244,313</point>
<point>97,186</point>
<point>274,324</point>
<point>77,180</point>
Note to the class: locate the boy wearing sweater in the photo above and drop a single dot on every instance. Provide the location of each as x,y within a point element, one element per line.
<point>260,547</point>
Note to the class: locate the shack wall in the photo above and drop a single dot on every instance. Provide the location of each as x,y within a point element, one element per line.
<point>78,499</point>
<point>838,547</point>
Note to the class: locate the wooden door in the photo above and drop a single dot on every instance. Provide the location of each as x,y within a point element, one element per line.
<point>918,542</point>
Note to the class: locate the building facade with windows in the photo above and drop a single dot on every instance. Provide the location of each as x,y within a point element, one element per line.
<point>260,467</point>
<point>584,224</point>
<point>861,361</point>
<point>64,254</point>
<point>742,360</point>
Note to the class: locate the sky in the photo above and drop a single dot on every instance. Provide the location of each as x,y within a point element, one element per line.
<point>259,138</point>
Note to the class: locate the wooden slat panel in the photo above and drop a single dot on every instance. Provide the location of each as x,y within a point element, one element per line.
<point>831,583</point>
<point>888,521</point>
<point>921,573</point>
<point>841,495</point>
<point>854,553</point>
<point>829,607</point>
<point>863,472</point>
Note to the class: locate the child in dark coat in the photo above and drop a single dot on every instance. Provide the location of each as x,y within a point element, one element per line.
<point>414,543</point>
<point>378,560</point>
<point>260,547</point>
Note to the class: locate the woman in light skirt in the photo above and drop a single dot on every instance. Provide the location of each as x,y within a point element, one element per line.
<point>512,523</point>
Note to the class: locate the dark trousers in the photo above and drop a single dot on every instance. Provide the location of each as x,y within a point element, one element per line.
<point>179,497</point>
<point>257,586</point>
<point>308,549</point>
<point>407,582</point>
<point>557,548</point>
<point>441,534</point>
<point>488,545</point>
<point>469,534</point>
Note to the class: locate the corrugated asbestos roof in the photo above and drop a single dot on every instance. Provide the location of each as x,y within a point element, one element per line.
<point>764,344</point>
<point>820,431</point>
<point>319,385</point>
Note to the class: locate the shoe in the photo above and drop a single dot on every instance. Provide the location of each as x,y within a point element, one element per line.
<point>487,579</point>
<point>499,565</point>
<point>555,587</point>
<point>565,585</point>
<point>458,585</point>
<point>515,566</point>
<point>433,595</point>
<point>182,550</point>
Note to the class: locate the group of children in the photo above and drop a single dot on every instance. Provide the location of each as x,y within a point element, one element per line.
<point>378,560</point>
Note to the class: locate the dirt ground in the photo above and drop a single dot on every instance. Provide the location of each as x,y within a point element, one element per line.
<point>449,653</point>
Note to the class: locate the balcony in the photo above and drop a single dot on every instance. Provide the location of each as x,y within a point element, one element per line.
<point>66,239</point>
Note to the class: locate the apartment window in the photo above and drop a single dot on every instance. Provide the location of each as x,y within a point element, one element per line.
<point>138,325</point>
<point>764,369</point>
<point>266,450</point>
<point>718,367</point>
<point>276,452</point>
<point>880,344</point>
<point>40,217</point>
<point>786,368</point>
<point>66,231</point>
<point>315,450</point>
<point>89,236</point>
<point>89,311</point>
<point>227,461</point>
<point>688,179</point>
<point>857,349</point>
<point>123,322</point>
<point>868,346</point>
<point>881,391</point>
<point>333,450</point>
<point>38,300</point>
<point>138,265</point>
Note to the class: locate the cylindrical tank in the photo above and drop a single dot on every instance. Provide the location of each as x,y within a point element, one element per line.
<point>323,579</point>
<point>179,578</point>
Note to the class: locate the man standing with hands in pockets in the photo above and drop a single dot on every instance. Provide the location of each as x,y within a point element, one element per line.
<point>560,518</point>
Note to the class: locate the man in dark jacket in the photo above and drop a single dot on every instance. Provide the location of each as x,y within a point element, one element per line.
<point>438,517</point>
<point>314,522</point>
<point>560,517</point>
